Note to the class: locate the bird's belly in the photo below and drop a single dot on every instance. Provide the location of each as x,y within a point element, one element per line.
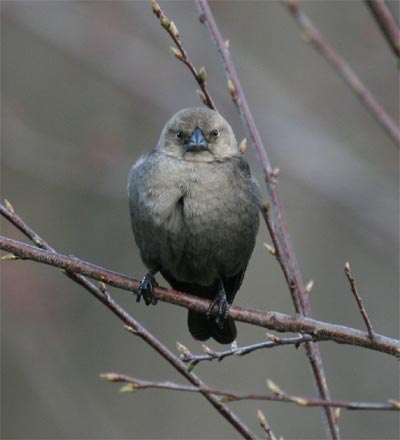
<point>207,240</point>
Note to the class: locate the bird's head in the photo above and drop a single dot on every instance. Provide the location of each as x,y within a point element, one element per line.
<point>198,134</point>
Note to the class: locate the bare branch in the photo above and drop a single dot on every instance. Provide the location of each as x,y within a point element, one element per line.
<point>360,304</point>
<point>274,341</point>
<point>131,323</point>
<point>279,228</point>
<point>340,65</point>
<point>181,55</point>
<point>272,320</point>
<point>231,396</point>
<point>387,23</point>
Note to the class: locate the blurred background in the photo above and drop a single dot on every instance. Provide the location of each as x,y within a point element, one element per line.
<point>86,89</point>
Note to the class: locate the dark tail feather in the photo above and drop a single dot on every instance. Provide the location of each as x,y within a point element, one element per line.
<point>202,328</point>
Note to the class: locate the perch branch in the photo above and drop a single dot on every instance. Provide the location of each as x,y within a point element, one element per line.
<point>131,323</point>
<point>272,320</point>
<point>360,304</point>
<point>278,395</point>
<point>340,65</point>
<point>387,23</point>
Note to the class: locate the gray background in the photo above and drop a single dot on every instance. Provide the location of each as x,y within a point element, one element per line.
<point>86,88</point>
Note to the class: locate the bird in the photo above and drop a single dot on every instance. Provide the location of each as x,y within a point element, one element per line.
<point>195,210</point>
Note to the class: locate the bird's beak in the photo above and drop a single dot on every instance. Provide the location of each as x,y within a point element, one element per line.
<point>197,141</point>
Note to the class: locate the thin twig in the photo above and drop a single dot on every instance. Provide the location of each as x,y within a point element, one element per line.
<point>341,66</point>
<point>279,226</point>
<point>274,341</point>
<point>271,320</point>
<point>269,435</point>
<point>360,304</point>
<point>231,396</point>
<point>387,23</point>
<point>132,325</point>
<point>181,55</point>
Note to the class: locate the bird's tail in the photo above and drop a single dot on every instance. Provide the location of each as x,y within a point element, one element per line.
<point>203,328</point>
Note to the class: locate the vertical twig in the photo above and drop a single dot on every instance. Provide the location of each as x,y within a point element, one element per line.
<point>341,66</point>
<point>387,23</point>
<point>278,224</point>
<point>360,304</point>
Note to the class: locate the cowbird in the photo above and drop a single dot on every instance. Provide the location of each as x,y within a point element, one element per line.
<point>195,215</point>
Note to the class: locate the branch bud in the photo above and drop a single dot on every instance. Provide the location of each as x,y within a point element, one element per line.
<point>130,329</point>
<point>231,88</point>
<point>156,8</point>
<point>276,172</point>
<point>202,96</point>
<point>129,388</point>
<point>243,146</point>
<point>347,267</point>
<point>9,206</point>
<point>165,23</point>
<point>9,257</point>
<point>270,249</point>
<point>174,30</point>
<point>274,338</point>
<point>208,350</point>
<point>299,400</point>
<point>112,377</point>
<point>201,76</point>
<point>262,419</point>
<point>183,350</point>
<point>310,286</point>
<point>336,415</point>
<point>102,286</point>
<point>394,403</point>
<point>177,53</point>
<point>273,387</point>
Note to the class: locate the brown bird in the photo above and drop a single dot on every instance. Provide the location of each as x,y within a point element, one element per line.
<point>195,215</point>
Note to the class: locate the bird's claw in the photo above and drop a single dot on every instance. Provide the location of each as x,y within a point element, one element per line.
<point>223,308</point>
<point>146,289</point>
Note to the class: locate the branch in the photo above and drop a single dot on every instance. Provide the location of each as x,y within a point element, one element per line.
<point>340,65</point>
<point>278,395</point>
<point>279,230</point>
<point>274,341</point>
<point>387,23</point>
<point>131,323</point>
<point>360,304</point>
<point>181,55</point>
<point>272,320</point>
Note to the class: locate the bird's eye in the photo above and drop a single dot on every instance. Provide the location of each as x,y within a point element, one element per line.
<point>215,134</point>
<point>179,134</point>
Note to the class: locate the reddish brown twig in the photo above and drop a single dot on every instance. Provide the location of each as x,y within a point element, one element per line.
<point>387,24</point>
<point>230,396</point>
<point>271,320</point>
<point>131,323</point>
<point>181,55</point>
<point>360,304</point>
<point>269,435</point>
<point>340,65</point>
<point>279,228</point>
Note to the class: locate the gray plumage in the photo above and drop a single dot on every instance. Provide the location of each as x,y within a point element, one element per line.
<point>195,213</point>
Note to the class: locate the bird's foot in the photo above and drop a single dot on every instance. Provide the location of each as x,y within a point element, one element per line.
<point>223,307</point>
<point>146,289</point>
